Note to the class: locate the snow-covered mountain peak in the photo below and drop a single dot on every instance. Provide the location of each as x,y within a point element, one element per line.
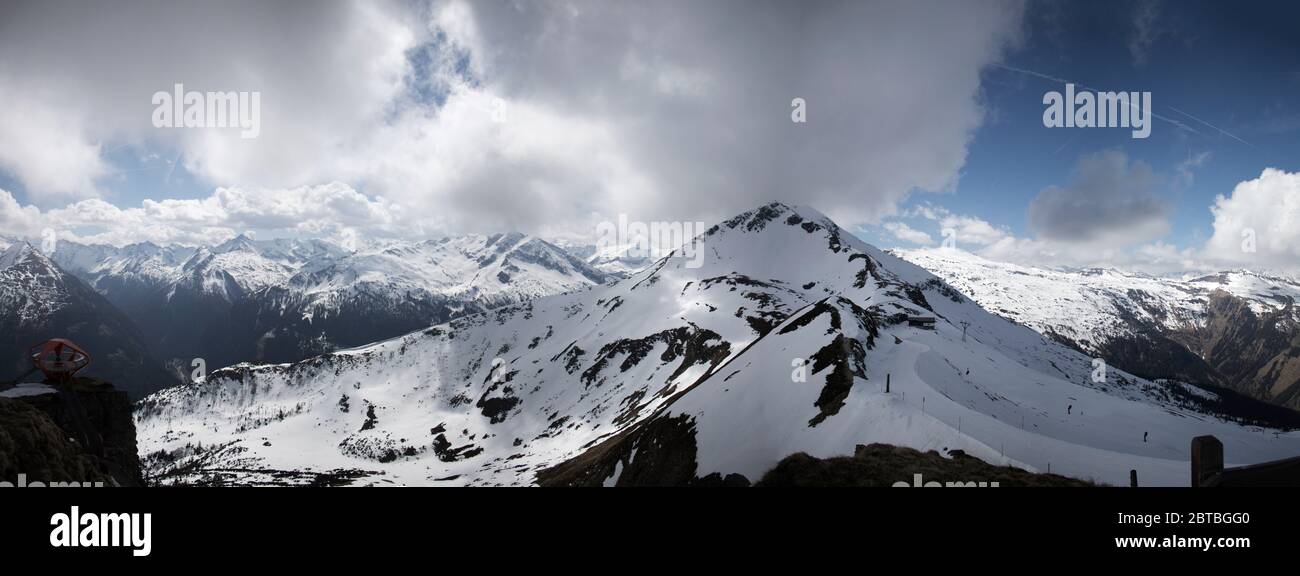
<point>39,300</point>
<point>493,270</point>
<point>30,260</point>
<point>32,287</point>
<point>293,252</point>
<point>779,338</point>
<point>234,268</point>
<point>15,253</point>
<point>625,259</point>
<point>240,243</point>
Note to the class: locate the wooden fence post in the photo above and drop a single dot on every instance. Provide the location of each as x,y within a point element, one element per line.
<point>1207,459</point>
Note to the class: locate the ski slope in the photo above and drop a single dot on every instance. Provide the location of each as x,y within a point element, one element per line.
<point>494,398</point>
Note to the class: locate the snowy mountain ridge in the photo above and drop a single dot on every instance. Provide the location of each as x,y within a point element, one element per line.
<point>30,286</point>
<point>792,336</point>
<point>39,301</point>
<point>458,267</point>
<point>1236,329</point>
<point>619,261</point>
<point>1084,304</point>
<point>287,299</point>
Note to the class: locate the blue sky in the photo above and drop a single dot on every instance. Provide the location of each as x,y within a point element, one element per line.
<point>1235,66</point>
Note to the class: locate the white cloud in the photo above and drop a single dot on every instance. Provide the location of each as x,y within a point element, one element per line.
<point>41,145</point>
<point>966,230</point>
<point>1267,209</point>
<point>662,110</point>
<point>970,230</point>
<point>18,220</point>
<point>908,234</point>
<point>328,72</point>
<point>330,210</point>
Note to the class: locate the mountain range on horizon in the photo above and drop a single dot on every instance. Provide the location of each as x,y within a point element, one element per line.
<point>39,301</point>
<point>284,300</point>
<point>793,336</point>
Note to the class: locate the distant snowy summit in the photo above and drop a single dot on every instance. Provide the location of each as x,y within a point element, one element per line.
<point>39,301</point>
<point>284,300</point>
<point>790,335</point>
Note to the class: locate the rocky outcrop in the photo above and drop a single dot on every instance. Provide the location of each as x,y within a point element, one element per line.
<point>35,449</point>
<point>663,454</point>
<point>84,433</point>
<point>1257,355</point>
<point>884,465</point>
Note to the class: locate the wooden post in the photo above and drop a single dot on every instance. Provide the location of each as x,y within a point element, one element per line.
<point>1207,459</point>
<point>886,383</point>
<point>1133,478</point>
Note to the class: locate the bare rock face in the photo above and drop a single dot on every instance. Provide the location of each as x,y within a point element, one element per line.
<point>883,465</point>
<point>33,447</point>
<point>1255,354</point>
<point>83,434</point>
<point>659,453</point>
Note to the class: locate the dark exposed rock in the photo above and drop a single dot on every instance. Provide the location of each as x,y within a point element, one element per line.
<point>371,419</point>
<point>883,465</point>
<point>32,445</point>
<point>692,345</point>
<point>499,399</point>
<point>443,449</point>
<point>85,433</point>
<point>1256,355</point>
<point>869,270</point>
<point>847,357</point>
<point>1237,350</point>
<point>658,452</point>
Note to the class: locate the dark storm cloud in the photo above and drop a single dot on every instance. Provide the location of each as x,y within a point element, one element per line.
<point>1109,200</point>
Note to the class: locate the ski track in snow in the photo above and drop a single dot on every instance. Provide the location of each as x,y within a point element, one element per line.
<point>433,408</point>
